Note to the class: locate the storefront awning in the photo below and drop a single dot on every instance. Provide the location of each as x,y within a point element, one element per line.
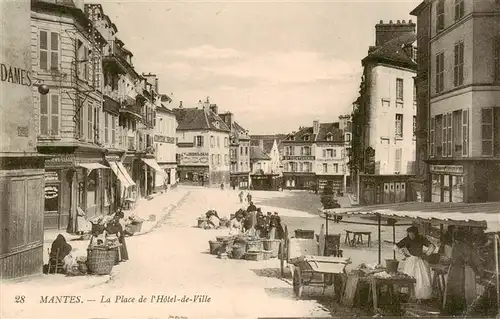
<point>153,164</point>
<point>91,166</point>
<point>125,175</point>
<point>126,182</point>
<point>467,214</point>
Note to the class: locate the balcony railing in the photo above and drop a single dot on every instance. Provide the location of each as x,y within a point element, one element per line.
<point>118,52</point>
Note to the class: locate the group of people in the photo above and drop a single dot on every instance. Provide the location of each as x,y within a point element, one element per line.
<point>457,250</point>
<point>60,257</point>
<point>254,223</point>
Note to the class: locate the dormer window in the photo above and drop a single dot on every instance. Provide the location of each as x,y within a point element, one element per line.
<point>305,138</point>
<point>329,137</point>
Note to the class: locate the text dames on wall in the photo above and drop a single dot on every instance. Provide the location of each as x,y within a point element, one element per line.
<point>15,75</point>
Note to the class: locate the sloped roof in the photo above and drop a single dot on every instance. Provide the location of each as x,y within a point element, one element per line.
<point>164,109</point>
<point>199,119</point>
<point>324,130</point>
<point>267,140</point>
<point>240,131</point>
<point>393,51</point>
<point>256,154</point>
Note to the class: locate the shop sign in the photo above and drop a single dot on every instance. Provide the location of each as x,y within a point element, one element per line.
<point>51,176</point>
<point>194,158</point>
<point>15,75</point>
<point>51,192</point>
<point>298,158</point>
<point>62,159</point>
<point>113,158</point>
<point>164,139</point>
<point>447,169</point>
<point>328,159</point>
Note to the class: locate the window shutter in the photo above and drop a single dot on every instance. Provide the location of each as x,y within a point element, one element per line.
<point>55,114</point>
<point>81,120</point>
<point>54,51</point>
<point>44,115</point>
<point>43,48</point>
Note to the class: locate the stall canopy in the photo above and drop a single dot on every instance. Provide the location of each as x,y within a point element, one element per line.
<point>91,166</point>
<point>121,173</point>
<point>468,214</point>
<point>153,164</point>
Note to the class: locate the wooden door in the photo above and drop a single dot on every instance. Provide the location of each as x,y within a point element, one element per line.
<point>52,206</point>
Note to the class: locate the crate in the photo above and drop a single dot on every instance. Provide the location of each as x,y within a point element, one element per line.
<point>254,255</point>
<point>267,254</point>
<point>304,233</point>
<point>254,245</point>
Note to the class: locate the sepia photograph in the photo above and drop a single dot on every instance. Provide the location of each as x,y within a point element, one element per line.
<point>186,159</point>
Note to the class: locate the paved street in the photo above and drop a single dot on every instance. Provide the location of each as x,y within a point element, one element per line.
<point>173,259</point>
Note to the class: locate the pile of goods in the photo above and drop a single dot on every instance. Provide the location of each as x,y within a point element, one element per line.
<point>133,224</point>
<point>398,275</point>
<point>248,248</point>
<point>203,222</point>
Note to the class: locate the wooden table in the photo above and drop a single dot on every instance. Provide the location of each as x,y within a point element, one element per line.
<point>357,237</point>
<point>377,282</point>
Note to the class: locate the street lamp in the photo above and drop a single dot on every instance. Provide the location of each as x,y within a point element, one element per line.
<point>43,89</point>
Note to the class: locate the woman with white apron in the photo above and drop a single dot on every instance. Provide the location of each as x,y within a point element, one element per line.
<point>415,266</point>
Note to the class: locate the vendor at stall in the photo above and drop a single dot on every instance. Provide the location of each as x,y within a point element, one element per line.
<point>58,251</point>
<point>460,291</point>
<point>213,219</point>
<point>236,225</point>
<point>412,247</point>
<point>251,207</point>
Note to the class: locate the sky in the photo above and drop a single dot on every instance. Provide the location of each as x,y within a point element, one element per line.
<point>276,65</point>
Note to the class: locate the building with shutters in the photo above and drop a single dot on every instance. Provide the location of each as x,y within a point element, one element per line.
<point>21,167</point>
<point>239,152</point>
<point>165,144</point>
<point>460,86</point>
<point>202,146</point>
<point>384,117</point>
<point>66,55</point>
<point>317,155</point>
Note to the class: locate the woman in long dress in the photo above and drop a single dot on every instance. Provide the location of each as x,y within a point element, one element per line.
<point>460,291</point>
<point>415,266</point>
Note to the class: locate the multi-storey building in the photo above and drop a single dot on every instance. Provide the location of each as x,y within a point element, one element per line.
<point>422,80</point>
<point>202,145</point>
<point>165,143</point>
<point>316,155</point>
<point>66,56</point>
<point>265,159</point>
<point>21,168</point>
<point>273,147</point>
<point>464,95</point>
<point>385,117</point>
<point>239,150</point>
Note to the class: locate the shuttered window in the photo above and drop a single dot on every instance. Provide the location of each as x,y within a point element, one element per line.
<point>49,50</point>
<point>487,131</point>
<point>432,137</point>
<point>106,127</point>
<point>397,166</point>
<point>465,132</point>
<point>458,69</point>
<point>49,115</point>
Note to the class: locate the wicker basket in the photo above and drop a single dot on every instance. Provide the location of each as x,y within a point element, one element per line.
<point>201,221</point>
<point>255,245</point>
<point>254,255</point>
<point>100,260</point>
<point>238,251</point>
<point>133,228</point>
<point>215,246</point>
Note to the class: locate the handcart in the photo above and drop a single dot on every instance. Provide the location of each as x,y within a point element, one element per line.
<point>296,247</point>
<point>316,271</point>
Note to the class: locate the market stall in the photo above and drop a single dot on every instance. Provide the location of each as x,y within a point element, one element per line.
<point>432,218</point>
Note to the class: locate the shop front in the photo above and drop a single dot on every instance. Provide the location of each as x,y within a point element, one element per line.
<point>265,182</point>
<point>337,182</point>
<point>75,186</point>
<point>447,183</point>
<point>119,183</point>
<point>240,180</point>
<point>167,179</point>
<point>298,180</point>
<point>194,175</point>
<point>385,189</point>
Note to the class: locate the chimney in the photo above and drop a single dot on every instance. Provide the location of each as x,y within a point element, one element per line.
<point>180,104</point>
<point>385,32</point>
<point>228,118</point>
<point>157,85</point>
<point>261,145</point>
<point>214,108</point>
<point>315,127</point>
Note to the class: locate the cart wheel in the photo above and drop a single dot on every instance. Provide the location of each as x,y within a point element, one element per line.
<point>297,283</point>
